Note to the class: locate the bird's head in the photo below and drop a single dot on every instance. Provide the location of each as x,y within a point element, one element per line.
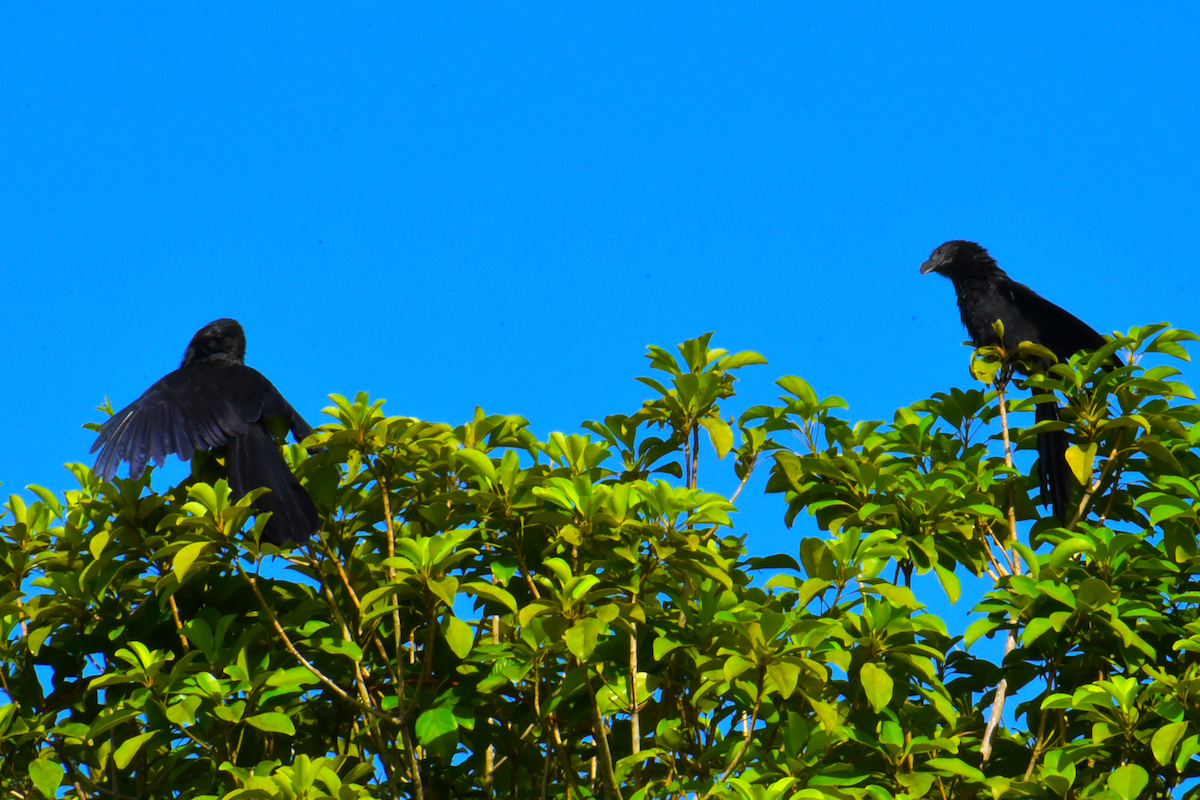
<point>959,258</point>
<point>222,340</point>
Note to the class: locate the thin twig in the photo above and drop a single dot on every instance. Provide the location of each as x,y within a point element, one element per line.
<point>1010,642</point>
<point>291,648</point>
<point>985,747</point>
<point>635,723</point>
<point>742,485</point>
<point>1038,745</point>
<point>391,540</point>
<point>178,623</point>
<point>695,456</point>
<point>1010,569</point>
<point>745,742</point>
<point>398,676</point>
<point>687,462</point>
<point>1094,486</point>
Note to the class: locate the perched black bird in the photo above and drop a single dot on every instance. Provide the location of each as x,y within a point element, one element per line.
<point>986,294</point>
<point>215,400</point>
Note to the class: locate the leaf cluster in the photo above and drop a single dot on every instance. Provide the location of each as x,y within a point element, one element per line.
<point>487,613</point>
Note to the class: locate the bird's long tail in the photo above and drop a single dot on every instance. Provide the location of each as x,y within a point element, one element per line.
<point>1053,470</point>
<point>253,460</point>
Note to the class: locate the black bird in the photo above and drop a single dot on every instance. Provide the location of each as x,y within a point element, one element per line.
<point>215,400</point>
<point>986,294</point>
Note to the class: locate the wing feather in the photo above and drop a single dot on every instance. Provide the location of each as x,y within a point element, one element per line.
<point>1058,329</point>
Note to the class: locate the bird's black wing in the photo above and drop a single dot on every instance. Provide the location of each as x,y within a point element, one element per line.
<point>253,397</point>
<point>1051,326</point>
<point>196,407</point>
<point>183,412</point>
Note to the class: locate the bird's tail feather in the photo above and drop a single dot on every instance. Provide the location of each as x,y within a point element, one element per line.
<point>253,460</point>
<point>1053,471</point>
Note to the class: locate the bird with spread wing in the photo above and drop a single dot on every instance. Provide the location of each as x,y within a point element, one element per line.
<point>214,400</point>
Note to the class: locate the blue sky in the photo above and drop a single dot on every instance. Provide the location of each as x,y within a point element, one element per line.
<point>451,206</point>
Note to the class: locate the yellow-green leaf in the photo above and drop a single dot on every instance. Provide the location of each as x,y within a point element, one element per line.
<point>1080,459</point>
<point>186,557</point>
<point>1128,781</point>
<point>459,636</point>
<point>273,722</point>
<point>878,686</point>
<point>720,433</point>
<point>129,748</point>
<point>46,776</point>
<point>1166,739</point>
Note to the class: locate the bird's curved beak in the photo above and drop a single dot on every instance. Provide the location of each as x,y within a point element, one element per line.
<point>928,266</point>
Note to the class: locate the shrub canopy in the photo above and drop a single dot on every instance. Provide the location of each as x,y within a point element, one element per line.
<point>489,614</point>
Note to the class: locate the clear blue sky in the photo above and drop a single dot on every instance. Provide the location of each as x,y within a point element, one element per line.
<point>451,206</point>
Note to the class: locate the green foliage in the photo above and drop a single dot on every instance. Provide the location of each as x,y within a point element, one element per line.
<point>489,614</point>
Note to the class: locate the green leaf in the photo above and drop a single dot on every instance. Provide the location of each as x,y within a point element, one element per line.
<point>434,723</point>
<point>742,359</point>
<point>720,433</point>
<point>1166,739</point>
<point>1036,627</point>
<point>950,583</point>
<point>483,466</point>
<point>272,722</point>
<point>956,766</point>
<point>798,387</point>
<point>294,676</point>
<point>877,685</point>
<point>664,645</point>
<point>186,557</point>
<point>784,675</point>
<point>984,369</point>
<point>1068,548</point>
<point>979,628</point>
<point>1128,781</point>
<point>490,592</point>
<point>458,635</point>
<point>581,637</point>
<point>342,648</point>
<point>735,665</point>
<point>99,542</point>
<point>1080,461</point>
<point>444,588</point>
<point>129,748</point>
<point>46,776</point>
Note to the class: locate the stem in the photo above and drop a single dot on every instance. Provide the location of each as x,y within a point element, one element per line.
<point>1095,486</point>
<point>1010,642</point>
<point>1038,745</point>
<point>291,648</point>
<point>745,740</point>
<point>398,675</point>
<point>695,456</point>
<point>413,766</point>
<point>178,623</point>
<point>1008,460</point>
<point>391,540</point>
<point>635,721</point>
<point>742,485</point>
<point>601,737</point>
<point>687,462</point>
<point>490,764</point>
<point>985,747</point>
<point>1012,567</point>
